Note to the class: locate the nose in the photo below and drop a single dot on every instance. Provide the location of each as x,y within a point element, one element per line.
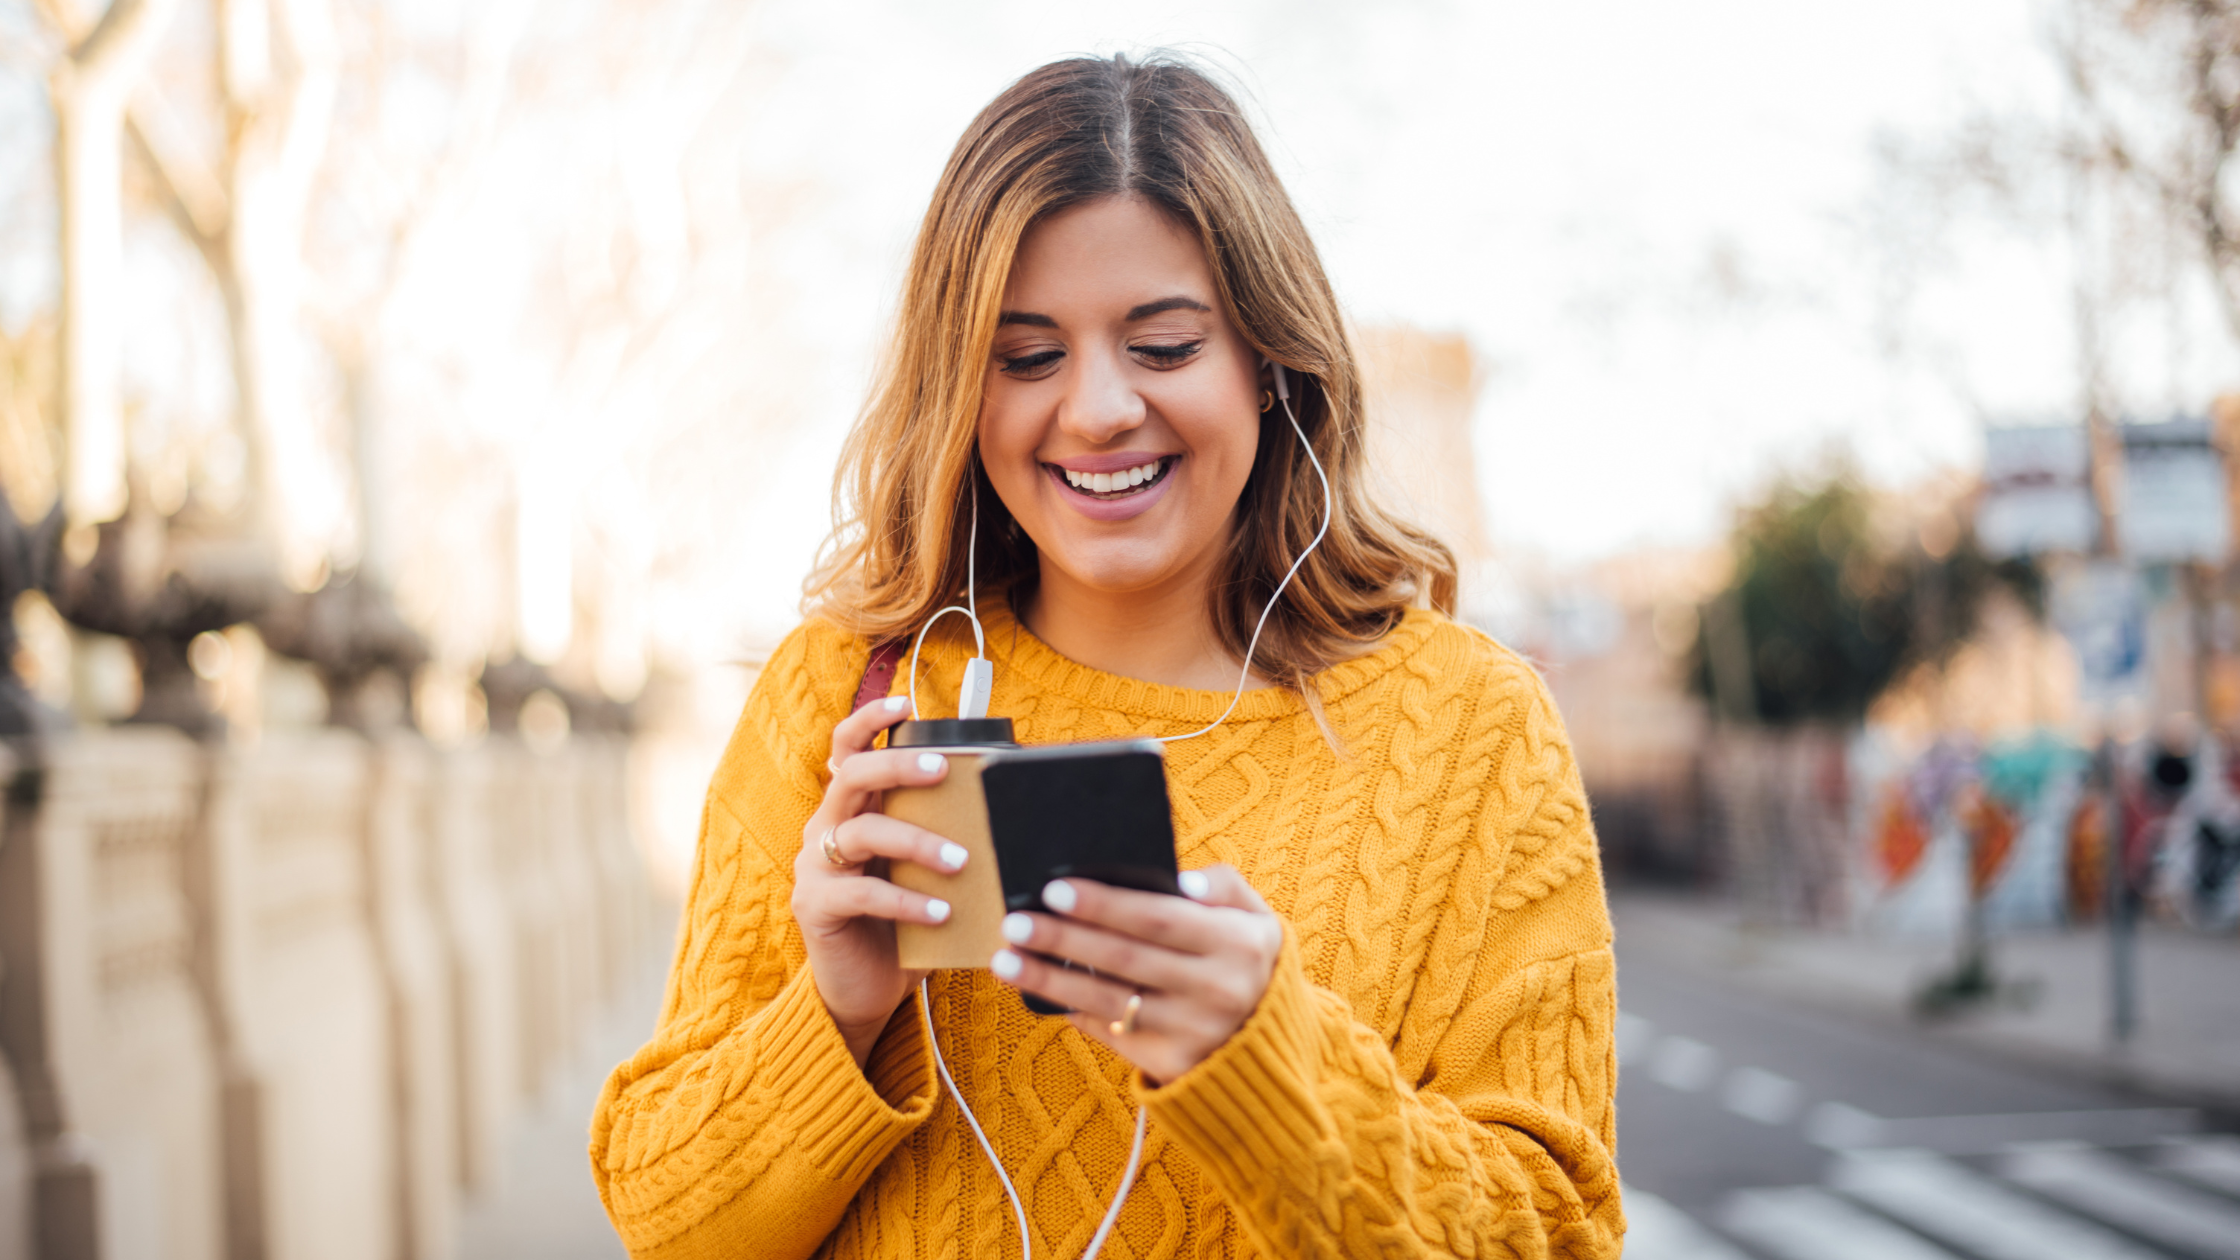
<point>1100,403</point>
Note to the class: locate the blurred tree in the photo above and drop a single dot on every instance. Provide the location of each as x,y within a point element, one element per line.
<point>126,580</point>
<point>243,208</point>
<point>2157,89</point>
<point>466,329</point>
<point>1826,607</point>
<point>89,84</point>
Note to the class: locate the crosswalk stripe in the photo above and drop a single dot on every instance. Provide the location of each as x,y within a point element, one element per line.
<point>1683,1063</point>
<point>1634,1036</point>
<point>1988,1135</point>
<point>1656,1230</point>
<point>1953,1202</point>
<point>2210,1161</point>
<point>2124,1196</point>
<point>1762,1096</point>
<point>1808,1223</point>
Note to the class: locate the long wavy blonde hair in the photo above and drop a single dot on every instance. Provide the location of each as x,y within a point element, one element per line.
<point>1071,132</point>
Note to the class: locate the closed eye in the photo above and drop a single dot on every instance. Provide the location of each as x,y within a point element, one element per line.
<point>1029,366</point>
<point>1169,356</point>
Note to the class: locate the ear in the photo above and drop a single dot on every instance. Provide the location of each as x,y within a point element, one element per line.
<point>1272,372</point>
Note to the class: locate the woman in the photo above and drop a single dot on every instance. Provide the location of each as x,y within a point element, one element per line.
<point>1381,1024</point>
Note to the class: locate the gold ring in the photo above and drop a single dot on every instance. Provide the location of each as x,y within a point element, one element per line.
<point>831,846</point>
<point>1126,1024</point>
<point>831,768</point>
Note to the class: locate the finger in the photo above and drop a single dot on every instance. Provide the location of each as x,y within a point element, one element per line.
<point>854,733</point>
<point>1222,885</point>
<point>867,836</point>
<point>1224,888</point>
<point>864,896</point>
<point>1125,958</point>
<point>1173,922</point>
<point>1095,995</point>
<point>865,775</point>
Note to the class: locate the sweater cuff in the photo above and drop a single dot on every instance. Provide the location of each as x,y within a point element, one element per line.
<point>842,1116</point>
<point>1251,1105</point>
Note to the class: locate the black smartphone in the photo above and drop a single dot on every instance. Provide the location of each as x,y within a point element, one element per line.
<point>1097,811</point>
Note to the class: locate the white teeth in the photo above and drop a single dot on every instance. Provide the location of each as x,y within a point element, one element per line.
<point>1106,483</point>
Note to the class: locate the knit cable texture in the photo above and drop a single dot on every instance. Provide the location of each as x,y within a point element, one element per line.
<point>1430,1072</point>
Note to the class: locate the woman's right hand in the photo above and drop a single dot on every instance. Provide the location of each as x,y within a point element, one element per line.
<point>847,916</point>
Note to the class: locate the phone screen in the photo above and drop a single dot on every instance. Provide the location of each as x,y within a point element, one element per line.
<point>1097,811</point>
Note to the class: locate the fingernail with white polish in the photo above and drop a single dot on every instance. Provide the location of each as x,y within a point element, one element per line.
<point>1059,896</point>
<point>896,704</point>
<point>1005,964</point>
<point>1195,885</point>
<point>1018,928</point>
<point>937,910</point>
<point>931,763</point>
<point>953,855</point>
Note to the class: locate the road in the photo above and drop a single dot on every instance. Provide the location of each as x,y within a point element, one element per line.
<point>1756,1129</point>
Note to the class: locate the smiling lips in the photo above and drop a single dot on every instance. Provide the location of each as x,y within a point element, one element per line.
<point>1117,484</point>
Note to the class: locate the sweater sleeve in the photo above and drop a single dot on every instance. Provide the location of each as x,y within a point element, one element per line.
<point>1486,1127</point>
<point>744,1127</point>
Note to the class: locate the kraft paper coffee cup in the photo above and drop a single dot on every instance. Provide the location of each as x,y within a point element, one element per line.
<point>955,810</point>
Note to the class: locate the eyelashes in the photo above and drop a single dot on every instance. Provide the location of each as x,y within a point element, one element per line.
<point>1032,364</point>
<point>1039,364</point>
<point>1168,356</point>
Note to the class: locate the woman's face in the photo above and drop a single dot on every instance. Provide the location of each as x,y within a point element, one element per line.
<point>1122,410</point>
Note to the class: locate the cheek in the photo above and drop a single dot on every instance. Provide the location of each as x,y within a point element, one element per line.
<point>1222,429</point>
<point>1007,447</point>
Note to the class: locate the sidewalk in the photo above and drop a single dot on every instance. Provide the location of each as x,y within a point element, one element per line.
<point>2186,1047</point>
<point>546,1207</point>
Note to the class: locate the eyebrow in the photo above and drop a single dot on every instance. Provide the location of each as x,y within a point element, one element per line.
<point>1160,307</point>
<point>1165,304</point>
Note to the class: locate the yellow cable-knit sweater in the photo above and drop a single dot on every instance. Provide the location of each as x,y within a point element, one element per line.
<point>1430,1072</point>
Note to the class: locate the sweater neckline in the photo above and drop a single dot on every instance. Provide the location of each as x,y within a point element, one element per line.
<point>1020,650</point>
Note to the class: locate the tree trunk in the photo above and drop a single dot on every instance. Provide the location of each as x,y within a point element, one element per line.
<point>90,89</point>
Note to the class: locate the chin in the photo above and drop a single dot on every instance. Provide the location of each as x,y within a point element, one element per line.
<point>1115,567</point>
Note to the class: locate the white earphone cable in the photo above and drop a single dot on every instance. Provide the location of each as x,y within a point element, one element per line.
<point>972,566</point>
<point>1026,1242</point>
<point>980,644</point>
<point>925,1012</point>
<point>1283,393</point>
<point>970,608</point>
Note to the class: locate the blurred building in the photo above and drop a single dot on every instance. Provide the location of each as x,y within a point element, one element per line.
<point>1612,642</point>
<point>1423,395</point>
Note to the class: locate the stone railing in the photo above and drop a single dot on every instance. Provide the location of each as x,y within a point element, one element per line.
<point>282,1002</point>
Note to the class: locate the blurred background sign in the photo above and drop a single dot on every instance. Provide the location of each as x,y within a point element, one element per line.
<point>2037,491</point>
<point>2175,501</point>
<point>2100,608</point>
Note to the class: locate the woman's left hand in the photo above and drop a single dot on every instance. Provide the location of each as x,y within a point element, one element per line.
<point>1200,964</point>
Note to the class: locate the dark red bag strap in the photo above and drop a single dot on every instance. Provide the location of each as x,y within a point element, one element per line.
<point>878,673</point>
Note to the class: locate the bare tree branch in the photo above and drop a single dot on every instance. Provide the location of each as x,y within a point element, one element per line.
<point>208,240</point>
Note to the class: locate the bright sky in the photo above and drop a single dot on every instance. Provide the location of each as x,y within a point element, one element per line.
<point>1562,183</point>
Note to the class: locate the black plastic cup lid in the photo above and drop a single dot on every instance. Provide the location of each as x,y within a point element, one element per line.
<point>952,733</point>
